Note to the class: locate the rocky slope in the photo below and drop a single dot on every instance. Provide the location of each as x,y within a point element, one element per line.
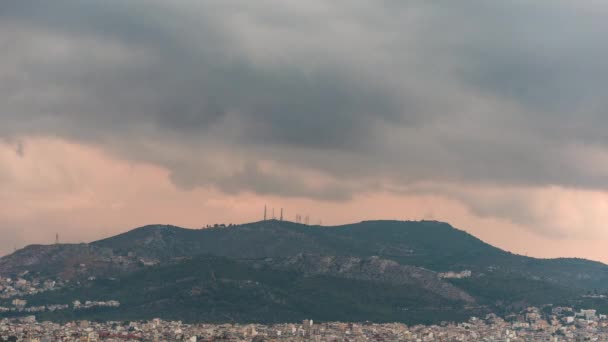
<point>67,261</point>
<point>372,269</point>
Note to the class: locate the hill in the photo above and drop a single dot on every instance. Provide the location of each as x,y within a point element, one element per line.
<point>431,268</point>
<point>433,245</point>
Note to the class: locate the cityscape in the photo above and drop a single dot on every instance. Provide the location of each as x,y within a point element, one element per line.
<point>533,324</point>
<point>79,295</point>
<point>303,170</point>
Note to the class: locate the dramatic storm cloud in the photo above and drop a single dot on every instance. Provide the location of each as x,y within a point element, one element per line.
<point>497,106</point>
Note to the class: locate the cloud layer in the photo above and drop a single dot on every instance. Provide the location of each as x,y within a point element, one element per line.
<point>323,100</point>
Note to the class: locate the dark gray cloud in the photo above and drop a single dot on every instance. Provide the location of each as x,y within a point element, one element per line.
<point>510,93</point>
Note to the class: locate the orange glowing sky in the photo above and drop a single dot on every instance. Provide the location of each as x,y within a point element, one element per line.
<point>84,194</point>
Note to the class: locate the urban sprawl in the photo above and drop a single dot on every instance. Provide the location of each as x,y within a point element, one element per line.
<point>533,324</point>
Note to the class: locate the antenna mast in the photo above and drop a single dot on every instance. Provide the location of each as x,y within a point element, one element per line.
<point>264,212</point>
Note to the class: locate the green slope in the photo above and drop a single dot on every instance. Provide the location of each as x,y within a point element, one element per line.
<point>215,289</point>
<point>429,244</point>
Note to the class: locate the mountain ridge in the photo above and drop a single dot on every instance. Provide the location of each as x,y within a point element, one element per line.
<point>160,227</point>
<point>421,243</point>
<point>425,265</point>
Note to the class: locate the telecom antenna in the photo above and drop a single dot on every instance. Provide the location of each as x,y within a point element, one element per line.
<point>264,212</point>
<point>57,238</point>
<point>281,214</point>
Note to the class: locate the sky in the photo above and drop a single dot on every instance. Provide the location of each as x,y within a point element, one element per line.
<point>489,115</point>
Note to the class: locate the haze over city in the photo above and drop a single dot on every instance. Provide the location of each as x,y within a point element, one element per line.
<point>488,115</point>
